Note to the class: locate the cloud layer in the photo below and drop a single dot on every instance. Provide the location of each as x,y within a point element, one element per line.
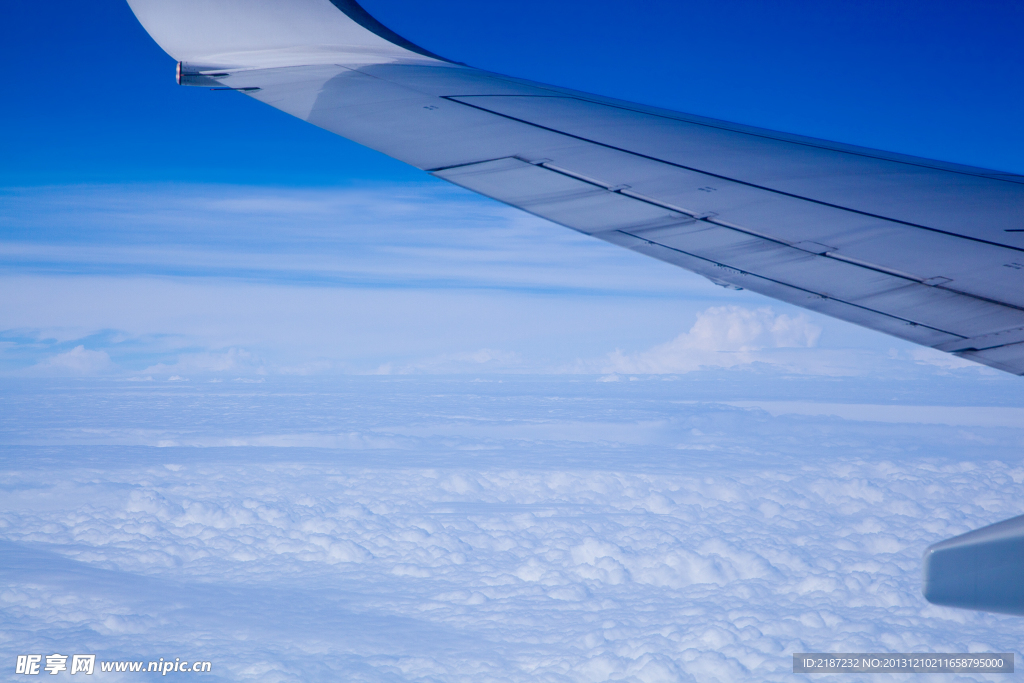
<point>227,281</point>
<point>539,530</point>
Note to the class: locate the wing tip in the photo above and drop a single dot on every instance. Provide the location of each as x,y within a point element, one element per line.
<point>273,33</point>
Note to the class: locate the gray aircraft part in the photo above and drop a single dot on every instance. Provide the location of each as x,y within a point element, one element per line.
<point>982,569</point>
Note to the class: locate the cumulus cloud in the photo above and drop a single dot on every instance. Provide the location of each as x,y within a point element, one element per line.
<point>672,542</point>
<point>78,361</point>
<point>722,336</point>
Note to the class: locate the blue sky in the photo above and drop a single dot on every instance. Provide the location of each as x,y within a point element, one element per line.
<point>152,229</point>
<point>94,97</point>
<point>275,401</point>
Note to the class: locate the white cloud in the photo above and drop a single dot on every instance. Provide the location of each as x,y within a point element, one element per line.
<point>596,531</point>
<point>722,336</point>
<point>313,329</point>
<point>77,361</point>
<point>341,279</point>
<point>424,279</point>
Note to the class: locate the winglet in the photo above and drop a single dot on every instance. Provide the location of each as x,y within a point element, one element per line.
<point>273,33</point>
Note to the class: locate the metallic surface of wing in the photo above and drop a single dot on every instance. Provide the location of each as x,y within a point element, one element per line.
<point>979,570</point>
<point>927,251</point>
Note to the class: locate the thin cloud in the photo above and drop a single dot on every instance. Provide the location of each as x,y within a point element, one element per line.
<point>421,279</point>
<point>382,236</point>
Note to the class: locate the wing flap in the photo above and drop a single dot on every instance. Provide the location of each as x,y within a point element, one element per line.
<point>718,273</point>
<point>923,311</point>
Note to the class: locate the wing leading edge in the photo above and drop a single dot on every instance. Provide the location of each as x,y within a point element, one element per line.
<point>923,250</point>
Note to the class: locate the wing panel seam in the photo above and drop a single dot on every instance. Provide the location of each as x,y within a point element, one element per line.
<point>712,220</point>
<point>746,183</point>
<point>764,136</point>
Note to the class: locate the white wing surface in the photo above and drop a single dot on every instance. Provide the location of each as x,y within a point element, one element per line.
<point>923,250</point>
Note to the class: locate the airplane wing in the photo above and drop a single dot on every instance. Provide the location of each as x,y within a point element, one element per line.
<point>927,251</point>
